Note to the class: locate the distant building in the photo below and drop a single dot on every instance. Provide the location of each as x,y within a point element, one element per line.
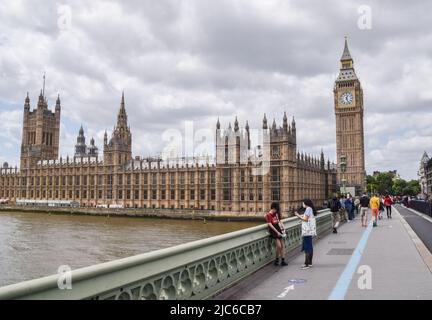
<point>422,174</point>
<point>428,169</point>
<point>82,150</point>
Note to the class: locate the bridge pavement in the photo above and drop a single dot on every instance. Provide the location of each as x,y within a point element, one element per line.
<point>399,264</point>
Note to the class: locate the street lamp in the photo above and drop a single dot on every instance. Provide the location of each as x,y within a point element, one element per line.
<point>343,167</point>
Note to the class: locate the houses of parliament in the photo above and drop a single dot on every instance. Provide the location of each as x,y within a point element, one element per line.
<point>229,183</point>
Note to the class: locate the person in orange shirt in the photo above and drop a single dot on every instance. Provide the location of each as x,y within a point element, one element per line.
<point>374,205</point>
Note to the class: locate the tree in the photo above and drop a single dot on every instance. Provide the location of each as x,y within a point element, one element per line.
<point>399,187</point>
<point>385,183</point>
<point>371,184</point>
<point>412,188</point>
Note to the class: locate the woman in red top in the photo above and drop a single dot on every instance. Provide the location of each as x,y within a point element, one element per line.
<point>277,231</point>
<point>388,203</point>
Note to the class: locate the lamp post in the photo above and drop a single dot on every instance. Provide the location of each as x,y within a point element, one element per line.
<point>343,167</point>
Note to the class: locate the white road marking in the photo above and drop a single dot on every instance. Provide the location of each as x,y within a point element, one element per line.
<point>286,290</point>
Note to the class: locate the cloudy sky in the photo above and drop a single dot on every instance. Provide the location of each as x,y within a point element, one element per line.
<point>195,61</point>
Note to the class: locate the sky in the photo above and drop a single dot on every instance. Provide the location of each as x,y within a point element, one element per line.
<point>190,62</point>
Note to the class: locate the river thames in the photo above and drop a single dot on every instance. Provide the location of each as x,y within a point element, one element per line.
<point>34,245</point>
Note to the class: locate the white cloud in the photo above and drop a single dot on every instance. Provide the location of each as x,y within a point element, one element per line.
<point>197,60</point>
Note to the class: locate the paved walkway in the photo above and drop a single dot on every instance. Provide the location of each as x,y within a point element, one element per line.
<point>391,253</point>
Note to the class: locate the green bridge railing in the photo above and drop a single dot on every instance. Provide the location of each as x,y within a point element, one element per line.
<point>194,270</point>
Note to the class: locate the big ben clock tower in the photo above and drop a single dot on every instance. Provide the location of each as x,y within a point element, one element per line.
<point>348,101</point>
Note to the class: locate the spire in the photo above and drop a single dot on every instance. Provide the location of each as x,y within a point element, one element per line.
<point>265,127</point>
<point>218,124</point>
<point>346,54</point>
<point>58,102</point>
<point>236,125</point>
<point>274,124</point>
<point>105,138</point>
<point>122,116</point>
<point>27,102</point>
<point>285,122</point>
<point>247,126</point>
<point>43,88</point>
<point>92,141</point>
<point>81,131</point>
<point>293,124</point>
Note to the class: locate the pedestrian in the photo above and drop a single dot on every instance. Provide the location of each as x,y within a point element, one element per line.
<point>388,205</point>
<point>343,210</point>
<point>335,206</point>
<point>357,205</point>
<point>374,204</point>
<point>308,231</point>
<point>349,207</point>
<point>364,206</point>
<point>381,208</point>
<point>277,231</point>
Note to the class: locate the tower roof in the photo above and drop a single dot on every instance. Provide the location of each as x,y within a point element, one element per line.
<point>346,55</point>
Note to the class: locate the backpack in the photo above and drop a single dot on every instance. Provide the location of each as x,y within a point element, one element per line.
<point>335,205</point>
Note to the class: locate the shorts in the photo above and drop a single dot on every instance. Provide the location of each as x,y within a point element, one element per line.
<point>374,212</point>
<point>363,211</point>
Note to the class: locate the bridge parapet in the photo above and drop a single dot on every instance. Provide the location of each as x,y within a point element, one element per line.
<point>194,270</point>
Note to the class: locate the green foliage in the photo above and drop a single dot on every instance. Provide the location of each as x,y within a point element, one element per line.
<point>384,183</point>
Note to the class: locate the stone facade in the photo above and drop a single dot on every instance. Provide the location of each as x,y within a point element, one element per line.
<point>348,102</point>
<point>231,182</point>
<point>239,179</point>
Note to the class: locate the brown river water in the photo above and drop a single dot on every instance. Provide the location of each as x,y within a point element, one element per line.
<point>34,245</point>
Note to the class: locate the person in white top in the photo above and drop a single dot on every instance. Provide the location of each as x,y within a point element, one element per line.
<point>308,231</point>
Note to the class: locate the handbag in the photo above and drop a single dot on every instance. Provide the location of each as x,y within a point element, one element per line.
<point>309,227</point>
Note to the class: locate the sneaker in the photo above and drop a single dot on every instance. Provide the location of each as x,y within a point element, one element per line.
<point>276,263</point>
<point>334,230</point>
<point>305,266</point>
<point>310,265</point>
<point>283,263</point>
<point>375,224</point>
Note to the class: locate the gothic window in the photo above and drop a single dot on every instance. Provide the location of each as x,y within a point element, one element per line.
<point>276,152</point>
<point>275,195</point>
<point>275,174</point>
<point>227,194</point>
<point>202,194</point>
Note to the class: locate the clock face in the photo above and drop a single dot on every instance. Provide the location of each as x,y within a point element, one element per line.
<point>346,98</point>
